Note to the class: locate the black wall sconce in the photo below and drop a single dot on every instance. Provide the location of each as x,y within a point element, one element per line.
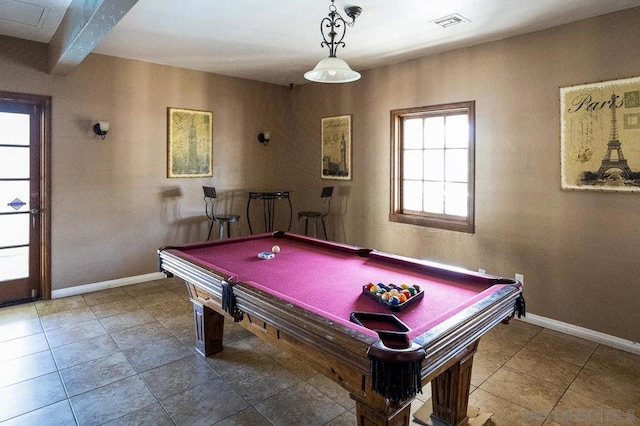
<point>101,128</point>
<point>264,138</point>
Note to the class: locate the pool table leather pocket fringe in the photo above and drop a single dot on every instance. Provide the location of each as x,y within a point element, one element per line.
<point>396,373</point>
<point>229,301</point>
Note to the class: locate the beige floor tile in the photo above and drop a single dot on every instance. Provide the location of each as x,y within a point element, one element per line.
<point>505,413</point>
<point>105,296</point>
<point>74,332</point>
<point>143,289</point>
<point>23,346</point>
<point>67,318</point>
<point>127,320</point>
<point>333,390</point>
<point>58,414</point>
<point>261,381</point>
<point>93,374</point>
<point>577,410</point>
<point>19,321</point>
<point>29,395</point>
<point>296,365</point>
<point>150,415</point>
<point>116,307</point>
<point>250,417</point>
<point>482,369</point>
<point>140,335</point>
<point>516,332</point>
<point>23,312</point>
<point>155,354</point>
<point>17,328</point>
<point>527,391</point>
<point>163,311</point>
<point>158,298</point>
<point>112,401</point>
<point>26,367</point>
<point>204,404</point>
<point>48,307</point>
<point>173,283</point>
<point>492,349</point>
<point>616,363</point>
<point>179,324</point>
<point>505,340</point>
<point>345,419</point>
<point>189,340</point>
<point>177,377</point>
<point>607,390</point>
<point>311,405</point>
<point>84,351</point>
<point>263,346</point>
<point>560,373</point>
<point>563,346</point>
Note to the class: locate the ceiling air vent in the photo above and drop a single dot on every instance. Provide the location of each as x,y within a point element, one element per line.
<point>450,20</point>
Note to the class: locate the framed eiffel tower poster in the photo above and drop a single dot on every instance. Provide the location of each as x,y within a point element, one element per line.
<point>600,136</point>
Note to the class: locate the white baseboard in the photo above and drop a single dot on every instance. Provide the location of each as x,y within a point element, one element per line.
<point>563,327</point>
<point>585,333</point>
<point>103,285</point>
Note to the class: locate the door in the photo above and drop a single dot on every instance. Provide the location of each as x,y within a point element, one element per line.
<point>24,266</point>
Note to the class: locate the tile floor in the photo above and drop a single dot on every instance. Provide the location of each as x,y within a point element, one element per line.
<point>125,356</point>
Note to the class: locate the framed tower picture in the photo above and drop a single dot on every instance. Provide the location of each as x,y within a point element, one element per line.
<point>336,147</point>
<point>189,143</point>
<point>600,136</point>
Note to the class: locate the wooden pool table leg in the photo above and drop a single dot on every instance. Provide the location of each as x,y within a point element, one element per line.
<point>368,416</point>
<point>450,390</point>
<point>209,329</point>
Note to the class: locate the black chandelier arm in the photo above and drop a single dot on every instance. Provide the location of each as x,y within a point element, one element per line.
<point>335,21</point>
<point>328,27</point>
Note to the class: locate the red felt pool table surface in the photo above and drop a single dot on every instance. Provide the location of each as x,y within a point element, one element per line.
<point>327,279</point>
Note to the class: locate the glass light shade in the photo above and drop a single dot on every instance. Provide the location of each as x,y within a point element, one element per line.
<point>332,70</point>
<point>104,125</point>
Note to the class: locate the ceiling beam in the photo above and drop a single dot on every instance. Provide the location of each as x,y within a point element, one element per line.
<point>84,25</point>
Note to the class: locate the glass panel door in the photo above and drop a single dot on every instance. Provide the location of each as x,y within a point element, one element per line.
<point>19,218</point>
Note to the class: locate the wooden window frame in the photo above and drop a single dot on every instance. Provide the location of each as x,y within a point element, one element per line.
<point>440,221</point>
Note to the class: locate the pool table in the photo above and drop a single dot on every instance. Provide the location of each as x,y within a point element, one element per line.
<point>302,301</point>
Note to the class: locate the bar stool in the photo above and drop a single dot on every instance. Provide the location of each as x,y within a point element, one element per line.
<point>326,194</point>
<point>210,198</point>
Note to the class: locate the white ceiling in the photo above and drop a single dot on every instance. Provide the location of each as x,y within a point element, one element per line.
<point>277,41</point>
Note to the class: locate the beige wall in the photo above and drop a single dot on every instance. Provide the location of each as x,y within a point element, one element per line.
<point>113,206</point>
<point>578,251</point>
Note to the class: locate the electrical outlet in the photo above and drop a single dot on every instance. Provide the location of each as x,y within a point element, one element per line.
<point>482,271</point>
<point>520,277</point>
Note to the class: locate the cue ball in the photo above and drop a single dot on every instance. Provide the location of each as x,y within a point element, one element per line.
<point>275,249</point>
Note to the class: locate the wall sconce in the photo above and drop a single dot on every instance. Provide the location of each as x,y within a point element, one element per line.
<point>101,128</point>
<point>264,138</point>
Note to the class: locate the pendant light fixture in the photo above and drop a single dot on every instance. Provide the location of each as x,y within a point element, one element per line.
<point>333,29</point>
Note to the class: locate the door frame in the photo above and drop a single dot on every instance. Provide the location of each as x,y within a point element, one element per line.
<point>43,105</point>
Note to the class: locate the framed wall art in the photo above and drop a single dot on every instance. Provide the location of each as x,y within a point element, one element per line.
<point>189,143</point>
<point>336,147</point>
<point>600,136</point>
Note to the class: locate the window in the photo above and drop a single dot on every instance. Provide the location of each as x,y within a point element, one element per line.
<point>432,182</point>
